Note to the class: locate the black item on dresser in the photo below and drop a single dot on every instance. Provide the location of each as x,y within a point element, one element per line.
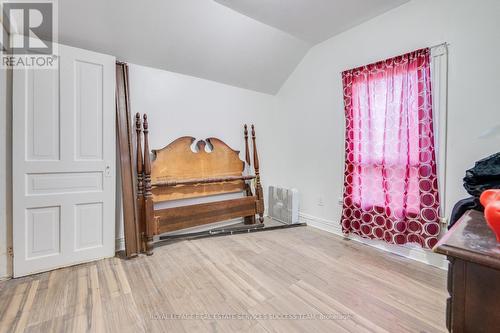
<point>462,206</point>
<point>483,176</point>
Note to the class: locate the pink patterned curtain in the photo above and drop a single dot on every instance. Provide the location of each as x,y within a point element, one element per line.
<point>390,184</point>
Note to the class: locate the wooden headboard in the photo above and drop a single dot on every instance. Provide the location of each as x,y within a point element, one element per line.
<point>178,172</point>
<point>185,170</point>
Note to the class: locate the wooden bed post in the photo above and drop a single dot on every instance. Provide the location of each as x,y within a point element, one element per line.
<point>140,184</point>
<point>258,186</point>
<point>247,151</point>
<point>148,196</point>
<point>248,188</point>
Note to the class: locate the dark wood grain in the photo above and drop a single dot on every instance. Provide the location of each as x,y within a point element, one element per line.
<point>178,218</point>
<point>177,163</point>
<point>140,183</point>
<point>194,181</point>
<point>125,147</point>
<point>247,150</point>
<point>258,186</point>
<point>151,221</point>
<point>248,219</point>
<point>471,240</point>
<point>473,276</point>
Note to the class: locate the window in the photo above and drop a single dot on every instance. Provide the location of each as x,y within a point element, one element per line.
<point>390,184</point>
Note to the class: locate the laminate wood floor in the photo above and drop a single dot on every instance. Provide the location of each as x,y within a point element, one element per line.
<point>293,280</point>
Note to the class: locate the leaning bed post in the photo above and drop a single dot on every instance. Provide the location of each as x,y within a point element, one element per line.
<point>140,183</point>
<point>248,188</point>
<point>258,186</point>
<point>148,195</point>
<point>247,150</point>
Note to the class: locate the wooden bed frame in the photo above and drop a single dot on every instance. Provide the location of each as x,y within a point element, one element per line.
<point>176,172</point>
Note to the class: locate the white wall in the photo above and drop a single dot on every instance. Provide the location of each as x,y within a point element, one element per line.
<point>179,105</point>
<point>310,115</point>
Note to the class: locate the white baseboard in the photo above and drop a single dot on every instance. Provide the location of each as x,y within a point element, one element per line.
<point>410,251</point>
<point>120,244</point>
<point>4,275</point>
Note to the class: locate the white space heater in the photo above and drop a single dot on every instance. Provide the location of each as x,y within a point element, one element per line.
<point>284,204</point>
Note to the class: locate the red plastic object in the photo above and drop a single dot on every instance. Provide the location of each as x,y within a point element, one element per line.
<point>490,199</point>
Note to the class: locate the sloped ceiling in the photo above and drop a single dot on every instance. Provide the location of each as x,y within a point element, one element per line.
<point>205,39</point>
<point>194,37</point>
<point>313,21</point>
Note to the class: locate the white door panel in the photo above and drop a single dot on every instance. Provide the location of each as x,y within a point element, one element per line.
<point>63,162</point>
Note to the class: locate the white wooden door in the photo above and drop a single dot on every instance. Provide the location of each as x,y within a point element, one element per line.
<point>64,162</point>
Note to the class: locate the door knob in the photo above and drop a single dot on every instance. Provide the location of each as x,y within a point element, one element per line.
<point>107,171</point>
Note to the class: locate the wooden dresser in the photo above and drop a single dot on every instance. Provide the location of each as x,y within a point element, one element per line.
<point>473,276</point>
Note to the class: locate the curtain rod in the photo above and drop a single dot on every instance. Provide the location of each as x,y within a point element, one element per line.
<point>446,44</point>
<point>438,45</point>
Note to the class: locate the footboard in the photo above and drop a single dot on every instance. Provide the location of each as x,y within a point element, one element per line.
<point>171,219</point>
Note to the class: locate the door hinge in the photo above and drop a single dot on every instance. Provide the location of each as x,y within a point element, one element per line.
<point>10,251</point>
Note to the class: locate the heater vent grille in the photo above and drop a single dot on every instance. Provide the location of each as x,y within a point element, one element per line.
<point>284,204</point>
